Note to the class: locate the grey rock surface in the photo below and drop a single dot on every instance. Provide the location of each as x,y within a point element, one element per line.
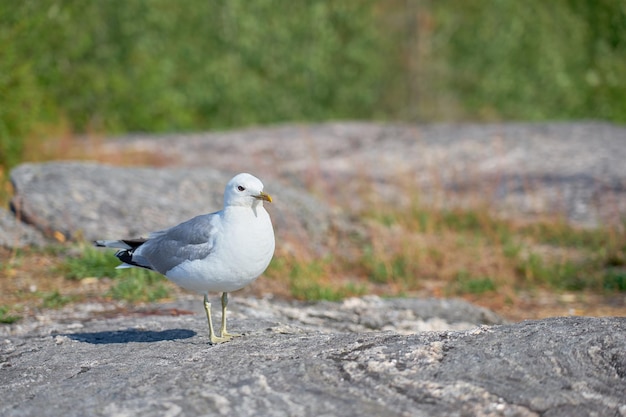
<point>283,366</point>
<point>17,234</point>
<point>364,314</point>
<point>93,201</point>
<point>575,170</point>
<point>571,169</point>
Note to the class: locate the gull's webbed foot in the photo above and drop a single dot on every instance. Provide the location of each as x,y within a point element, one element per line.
<point>220,339</point>
<point>230,335</point>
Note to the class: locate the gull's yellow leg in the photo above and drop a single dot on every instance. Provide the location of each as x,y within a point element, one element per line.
<point>214,339</point>
<point>224,305</point>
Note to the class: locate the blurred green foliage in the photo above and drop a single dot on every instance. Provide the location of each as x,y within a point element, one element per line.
<point>533,59</point>
<point>160,65</point>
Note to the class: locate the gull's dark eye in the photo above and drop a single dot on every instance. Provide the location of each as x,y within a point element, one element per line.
<point>241,188</point>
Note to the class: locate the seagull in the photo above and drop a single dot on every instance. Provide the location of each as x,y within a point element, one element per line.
<point>217,252</point>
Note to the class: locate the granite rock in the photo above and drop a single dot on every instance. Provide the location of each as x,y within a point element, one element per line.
<point>17,234</point>
<point>153,365</point>
<point>322,174</point>
<point>574,169</point>
<point>79,200</point>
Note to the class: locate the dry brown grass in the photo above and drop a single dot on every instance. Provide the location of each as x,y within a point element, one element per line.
<point>520,268</point>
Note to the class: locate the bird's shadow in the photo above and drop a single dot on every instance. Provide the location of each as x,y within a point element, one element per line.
<point>131,335</point>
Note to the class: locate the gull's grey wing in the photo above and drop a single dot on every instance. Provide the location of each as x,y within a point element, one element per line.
<point>190,240</point>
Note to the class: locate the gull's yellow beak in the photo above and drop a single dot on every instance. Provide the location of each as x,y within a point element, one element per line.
<point>264,196</point>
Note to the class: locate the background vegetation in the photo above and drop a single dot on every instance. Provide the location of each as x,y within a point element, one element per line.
<point>157,65</point>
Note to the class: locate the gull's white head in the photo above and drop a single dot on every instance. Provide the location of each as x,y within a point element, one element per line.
<point>245,190</point>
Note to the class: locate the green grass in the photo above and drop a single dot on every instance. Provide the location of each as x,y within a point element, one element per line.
<point>305,281</point>
<point>614,280</point>
<point>313,291</point>
<point>6,317</point>
<point>600,257</point>
<point>550,254</point>
<point>131,284</point>
<point>467,284</point>
<point>312,280</point>
<point>55,300</point>
<point>139,285</point>
<point>90,262</point>
<point>560,275</point>
<point>561,234</point>
<point>381,269</point>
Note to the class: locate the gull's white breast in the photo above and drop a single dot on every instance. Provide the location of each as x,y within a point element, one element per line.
<point>243,248</point>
